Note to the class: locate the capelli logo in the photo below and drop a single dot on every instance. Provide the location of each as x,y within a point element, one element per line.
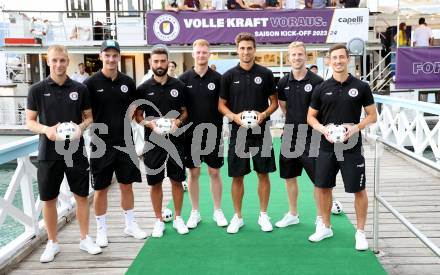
<point>352,20</point>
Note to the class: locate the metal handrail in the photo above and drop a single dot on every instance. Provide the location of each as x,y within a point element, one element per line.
<point>380,84</point>
<point>380,74</point>
<point>379,143</point>
<point>375,67</point>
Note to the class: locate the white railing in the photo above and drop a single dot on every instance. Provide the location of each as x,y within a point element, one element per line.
<point>412,126</point>
<point>23,179</point>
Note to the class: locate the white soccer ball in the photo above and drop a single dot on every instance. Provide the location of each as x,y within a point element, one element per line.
<point>167,215</point>
<point>66,131</point>
<point>337,133</point>
<point>337,207</point>
<point>249,119</point>
<point>185,186</point>
<point>164,125</point>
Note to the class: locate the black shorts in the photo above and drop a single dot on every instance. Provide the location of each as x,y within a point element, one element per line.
<point>113,161</point>
<point>291,167</point>
<point>158,161</point>
<point>352,170</point>
<point>214,159</point>
<point>50,174</point>
<point>239,157</point>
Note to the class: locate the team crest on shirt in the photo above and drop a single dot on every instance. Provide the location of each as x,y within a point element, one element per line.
<point>73,96</point>
<point>211,86</point>
<point>308,87</point>
<point>174,93</point>
<point>124,88</point>
<point>258,80</point>
<point>353,92</point>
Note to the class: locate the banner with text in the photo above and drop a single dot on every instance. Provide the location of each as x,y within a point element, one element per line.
<point>268,26</point>
<point>418,68</point>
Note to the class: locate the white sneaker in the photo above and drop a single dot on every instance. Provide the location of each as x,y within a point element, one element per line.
<point>194,219</point>
<point>101,237</point>
<point>321,233</point>
<point>287,220</point>
<point>51,250</point>
<point>264,222</point>
<point>219,218</point>
<point>361,240</point>
<point>180,226</point>
<point>134,231</point>
<point>88,245</point>
<point>159,228</point>
<point>235,224</point>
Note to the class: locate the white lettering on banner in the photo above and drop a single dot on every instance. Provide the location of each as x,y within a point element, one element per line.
<point>291,22</point>
<point>204,23</point>
<point>246,22</point>
<point>426,67</point>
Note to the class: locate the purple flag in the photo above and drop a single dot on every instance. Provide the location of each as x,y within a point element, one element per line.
<point>418,68</point>
<point>268,26</point>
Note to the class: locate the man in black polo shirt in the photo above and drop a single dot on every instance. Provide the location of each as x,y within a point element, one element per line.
<point>203,86</point>
<point>111,93</point>
<point>165,97</point>
<point>246,87</point>
<point>294,95</point>
<point>55,100</point>
<point>339,101</point>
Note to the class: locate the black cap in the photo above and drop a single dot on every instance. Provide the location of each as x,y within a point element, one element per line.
<point>110,44</point>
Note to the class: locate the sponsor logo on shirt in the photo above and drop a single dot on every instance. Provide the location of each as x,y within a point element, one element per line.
<point>100,90</point>
<point>329,93</point>
<point>236,82</point>
<point>286,88</point>
<point>73,96</point>
<point>47,94</point>
<point>174,93</point>
<point>308,88</point>
<point>124,88</point>
<point>150,93</point>
<point>353,92</point>
<point>189,86</point>
<point>258,80</point>
<point>211,86</point>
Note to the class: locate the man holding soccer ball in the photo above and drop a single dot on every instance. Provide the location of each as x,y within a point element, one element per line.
<point>166,98</point>
<point>339,101</point>
<point>249,87</point>
<point>55,100</point>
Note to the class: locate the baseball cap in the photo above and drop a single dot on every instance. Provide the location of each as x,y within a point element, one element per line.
<point>110,44</point>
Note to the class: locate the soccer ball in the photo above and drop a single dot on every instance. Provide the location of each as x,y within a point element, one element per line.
<point>249,119</point>
<point>164,125</point>
<point>167,215</point>
<point>185,186</point>
<point>337,207</point>
<point>66,131</point>
<point>337,133</point>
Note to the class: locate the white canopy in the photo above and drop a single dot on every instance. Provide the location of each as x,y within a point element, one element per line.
<point>408,7</point>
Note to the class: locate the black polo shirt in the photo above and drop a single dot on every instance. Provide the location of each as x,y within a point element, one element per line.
<point>110,100</point>
<point>202,97</point>
<point>297,94</point>
<point>340,103</point>
<point>167,97</point>
<point>247,90</point>
<point>57,104</point>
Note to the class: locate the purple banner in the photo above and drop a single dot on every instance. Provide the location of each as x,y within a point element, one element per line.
<point>309,26</point>
<point>418,68</point>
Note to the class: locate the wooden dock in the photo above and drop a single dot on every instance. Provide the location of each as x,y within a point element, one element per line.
<point>411,190</point>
